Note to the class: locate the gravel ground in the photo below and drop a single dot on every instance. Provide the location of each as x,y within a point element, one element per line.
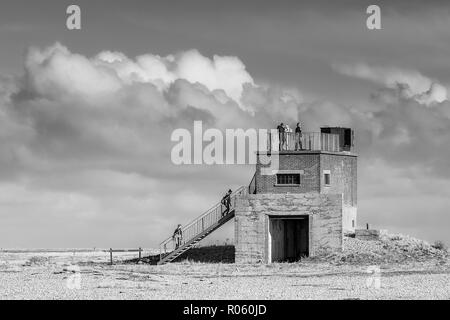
<point>397,267</point>
<point>308,280</point>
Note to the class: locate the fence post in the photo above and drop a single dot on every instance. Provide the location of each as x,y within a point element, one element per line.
<point>140,253</point>
<point>110,255</point>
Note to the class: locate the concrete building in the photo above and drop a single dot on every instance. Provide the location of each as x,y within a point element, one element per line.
<point>298,204</point>
<point>305,204</point>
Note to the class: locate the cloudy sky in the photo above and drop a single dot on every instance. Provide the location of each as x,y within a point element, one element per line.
<point>86,116</point>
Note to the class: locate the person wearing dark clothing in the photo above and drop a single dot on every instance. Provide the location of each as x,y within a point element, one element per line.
<point>224,204</point>
<point>229,199</point>
<point>226,201</point>
<point>281,136</point>
<point>178,236</point>
<point>298,137</point>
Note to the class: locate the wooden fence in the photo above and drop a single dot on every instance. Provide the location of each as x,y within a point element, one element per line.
<point>111,250</point>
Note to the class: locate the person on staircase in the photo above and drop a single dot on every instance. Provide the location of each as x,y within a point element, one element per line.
<point>178,236</point>
<point>226,201</point>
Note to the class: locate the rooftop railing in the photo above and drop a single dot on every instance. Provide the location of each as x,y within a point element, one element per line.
<point>308,141</point>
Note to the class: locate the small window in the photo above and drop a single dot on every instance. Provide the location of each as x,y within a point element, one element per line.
<point>327,177</point>
<point>353,223</point>
<point>288,178</point>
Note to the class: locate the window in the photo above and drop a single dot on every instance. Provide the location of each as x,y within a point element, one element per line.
<point>288,178</point>
<point>327,177</point>
<point>353,223</point>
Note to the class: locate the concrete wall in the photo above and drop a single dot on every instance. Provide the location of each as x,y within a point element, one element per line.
<point>349,219</point>
<point>343,176</point>
<point>343,172</point>
<point>369,234</point>
<point>252,222</point>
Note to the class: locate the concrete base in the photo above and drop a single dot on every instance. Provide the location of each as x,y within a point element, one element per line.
<point>253,238</point>
<point>369,234</point>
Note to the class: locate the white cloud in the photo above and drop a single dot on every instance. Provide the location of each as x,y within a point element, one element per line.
<point>219,73</point>
<point>56,69</point>
<point>413,83</point>
<point>226,73</point>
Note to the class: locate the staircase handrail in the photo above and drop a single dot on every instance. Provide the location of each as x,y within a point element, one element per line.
<point>210,211</point>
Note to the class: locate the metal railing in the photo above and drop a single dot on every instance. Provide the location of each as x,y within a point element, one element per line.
<point>207,220</point>
<point>252,185</point>
<point>310,141</point>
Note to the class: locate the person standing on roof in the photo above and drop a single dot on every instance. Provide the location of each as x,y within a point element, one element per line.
<point>281,136</point>
<point>298,137</point>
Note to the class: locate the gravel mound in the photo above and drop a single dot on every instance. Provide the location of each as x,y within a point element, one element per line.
<point>389,249</point>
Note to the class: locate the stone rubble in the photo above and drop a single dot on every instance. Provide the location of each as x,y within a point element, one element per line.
<point>389,249</point>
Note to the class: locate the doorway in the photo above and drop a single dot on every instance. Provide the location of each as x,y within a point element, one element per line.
<point>289,238</point>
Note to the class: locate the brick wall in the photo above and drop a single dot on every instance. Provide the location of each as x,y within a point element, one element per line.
<point>343,169</point>
<point>252,222</point>
<point>309,180</point>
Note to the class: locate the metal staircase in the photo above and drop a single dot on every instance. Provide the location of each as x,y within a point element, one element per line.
<point>198,229</point>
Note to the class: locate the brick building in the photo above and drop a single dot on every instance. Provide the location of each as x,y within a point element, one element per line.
<point>302,206</point>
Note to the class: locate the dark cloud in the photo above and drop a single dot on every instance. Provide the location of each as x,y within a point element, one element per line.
<point>89,138</point>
